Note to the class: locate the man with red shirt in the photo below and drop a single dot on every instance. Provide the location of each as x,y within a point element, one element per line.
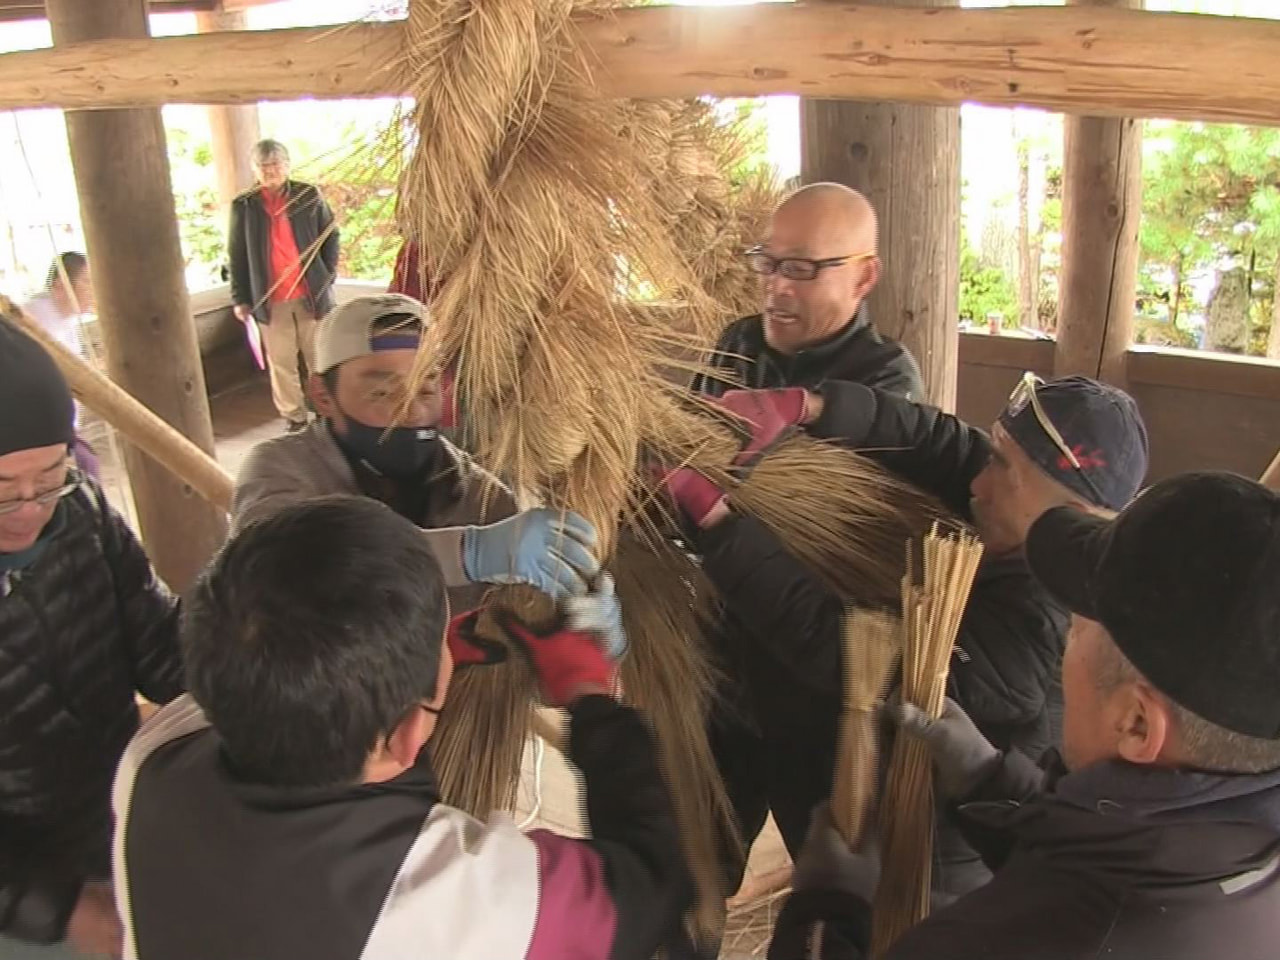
<point>284,258</point>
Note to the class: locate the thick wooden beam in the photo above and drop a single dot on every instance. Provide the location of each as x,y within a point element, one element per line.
<point>1074,59</point>
<point>34,9</point>
<point>126,206</point>
<point>906,159</point>
<point>1101,216</point>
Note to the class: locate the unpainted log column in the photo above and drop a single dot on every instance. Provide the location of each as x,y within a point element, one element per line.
<point>126,205</point>
<point>1101,217</point>
<point>234,129</point>
<point>906,159</point>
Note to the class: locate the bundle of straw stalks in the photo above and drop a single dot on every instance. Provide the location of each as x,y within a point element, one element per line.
<point>526,203</point>
<point>872,644</point>
<point>931,613</point>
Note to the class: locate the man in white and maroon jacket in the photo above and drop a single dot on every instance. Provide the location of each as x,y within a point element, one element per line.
<point>287,808</point>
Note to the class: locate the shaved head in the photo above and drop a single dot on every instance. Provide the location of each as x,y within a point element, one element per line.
<point>822,221</point>
<point>833,216</point>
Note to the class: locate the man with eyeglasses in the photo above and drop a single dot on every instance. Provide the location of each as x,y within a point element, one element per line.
<point>84,627</point>
<point>1072,441</point>
<point>817,266</point>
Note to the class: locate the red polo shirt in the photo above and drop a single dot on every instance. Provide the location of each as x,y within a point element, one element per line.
<point>287,282</point>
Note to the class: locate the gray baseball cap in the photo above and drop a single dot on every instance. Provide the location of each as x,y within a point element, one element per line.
<point>346,332</point>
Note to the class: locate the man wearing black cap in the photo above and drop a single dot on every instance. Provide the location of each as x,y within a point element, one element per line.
<point>1157,836</point>
<point>1069,441</point>
<point>84,627</point>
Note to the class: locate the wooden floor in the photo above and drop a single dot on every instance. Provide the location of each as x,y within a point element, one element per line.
<point>549,789</point>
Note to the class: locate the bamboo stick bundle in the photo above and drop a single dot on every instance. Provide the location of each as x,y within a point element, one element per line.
<point>872,644</point>
<point>931,613</point>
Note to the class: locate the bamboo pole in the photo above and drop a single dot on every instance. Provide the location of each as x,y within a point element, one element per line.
<point>1271,476</point>
<point>139,425</point>
<point>1095,61</point>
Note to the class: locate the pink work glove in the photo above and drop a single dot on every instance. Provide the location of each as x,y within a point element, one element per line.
<point>693,493</point>
<point>773,415</point>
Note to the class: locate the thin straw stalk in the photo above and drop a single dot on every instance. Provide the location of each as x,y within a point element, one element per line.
<point>931,614</point>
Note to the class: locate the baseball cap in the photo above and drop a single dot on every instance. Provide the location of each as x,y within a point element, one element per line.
<point>1186,580</point>
<point>1086,435</point>
<point>347,331</point>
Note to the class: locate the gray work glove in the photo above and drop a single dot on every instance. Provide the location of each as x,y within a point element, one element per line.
<point>962,757</point>
<point>827,863</point>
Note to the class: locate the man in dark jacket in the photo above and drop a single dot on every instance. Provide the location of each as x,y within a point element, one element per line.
<point>1158,835</point>
<point>84,627</point>
<point>817,266</point>
<point>1067,441</point>
<point>288,808</point>
<point>284,259</point>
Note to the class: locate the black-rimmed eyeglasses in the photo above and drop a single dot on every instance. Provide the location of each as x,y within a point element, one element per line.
<point>795,268</point>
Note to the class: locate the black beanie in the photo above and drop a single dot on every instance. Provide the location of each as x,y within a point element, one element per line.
<point>35,403</point>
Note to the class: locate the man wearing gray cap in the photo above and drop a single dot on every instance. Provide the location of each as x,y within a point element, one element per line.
<point>373,439</point>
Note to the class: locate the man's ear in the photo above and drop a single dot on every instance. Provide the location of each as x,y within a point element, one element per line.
<point>870,276</point>
<point>1145,725</point>
<point>405,742</point>
<point>321,398</point>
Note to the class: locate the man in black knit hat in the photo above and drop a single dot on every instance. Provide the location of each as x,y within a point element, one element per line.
<point>84,627</point>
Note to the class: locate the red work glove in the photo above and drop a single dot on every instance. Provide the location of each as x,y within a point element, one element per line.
<point>468,648</point>
<point>773,416</point>
<point>566,661</point>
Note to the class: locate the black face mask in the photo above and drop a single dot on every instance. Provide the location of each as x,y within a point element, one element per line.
<point>398,452</point>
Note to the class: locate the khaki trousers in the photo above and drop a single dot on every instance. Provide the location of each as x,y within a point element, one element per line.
<point>290,339</point>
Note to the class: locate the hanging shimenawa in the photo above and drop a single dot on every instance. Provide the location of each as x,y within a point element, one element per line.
<point>543,215</point>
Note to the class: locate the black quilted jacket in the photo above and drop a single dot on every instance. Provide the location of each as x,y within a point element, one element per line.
<point>82,629</point>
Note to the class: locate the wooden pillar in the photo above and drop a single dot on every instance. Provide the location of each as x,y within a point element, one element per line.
<point>126,205</point>
<point>906,159</point>
<point>1101,216</point>
<point>234,129</point>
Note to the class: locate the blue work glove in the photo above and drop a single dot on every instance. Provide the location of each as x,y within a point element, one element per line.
<point>599,612</point>
<point>551,550</point>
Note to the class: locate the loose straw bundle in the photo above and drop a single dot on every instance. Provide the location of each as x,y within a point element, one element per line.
<point>872,643</point>
<point>931,613</point>
<point>664,594</point>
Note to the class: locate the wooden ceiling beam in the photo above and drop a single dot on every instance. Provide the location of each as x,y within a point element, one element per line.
<point>11,10</point>
<point>1098,61</point>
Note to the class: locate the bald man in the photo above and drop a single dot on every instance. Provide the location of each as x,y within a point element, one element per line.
<point>817,265</point>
